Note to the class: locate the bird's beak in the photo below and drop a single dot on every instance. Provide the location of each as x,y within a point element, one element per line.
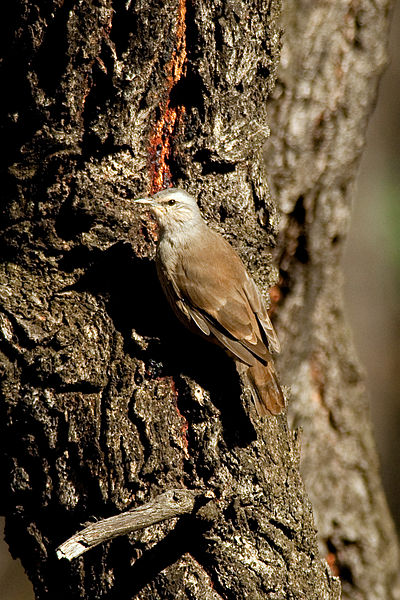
<point>144,201</point>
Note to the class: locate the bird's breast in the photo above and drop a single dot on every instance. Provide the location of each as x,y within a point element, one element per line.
<point>173,248</point>
<point>166,255</point>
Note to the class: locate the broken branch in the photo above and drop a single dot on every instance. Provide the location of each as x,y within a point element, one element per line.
<point>168,505</point>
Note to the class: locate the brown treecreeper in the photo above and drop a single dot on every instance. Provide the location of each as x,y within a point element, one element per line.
<point>211,292</point>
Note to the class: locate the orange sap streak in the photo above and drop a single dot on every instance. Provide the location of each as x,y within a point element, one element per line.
<point>161,139</point>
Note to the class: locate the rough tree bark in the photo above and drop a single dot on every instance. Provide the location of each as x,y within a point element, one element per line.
<point>106,401</point>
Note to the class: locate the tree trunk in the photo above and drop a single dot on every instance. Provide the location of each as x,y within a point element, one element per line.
<point>107,402</point>
<point>333,54</point>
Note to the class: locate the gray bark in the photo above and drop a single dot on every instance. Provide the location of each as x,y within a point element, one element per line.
<point>107,402</point>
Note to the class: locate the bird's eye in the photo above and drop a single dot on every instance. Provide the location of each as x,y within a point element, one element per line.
<point>171,202</point>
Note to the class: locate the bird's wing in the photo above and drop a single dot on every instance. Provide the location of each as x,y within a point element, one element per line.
<point>219,296</point>
<point>257,303</point>
<point>240,350</point>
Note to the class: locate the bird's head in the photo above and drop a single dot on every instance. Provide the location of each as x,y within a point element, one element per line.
<point>172,208</point>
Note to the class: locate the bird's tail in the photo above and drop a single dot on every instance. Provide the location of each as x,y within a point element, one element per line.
<point>266,391</point>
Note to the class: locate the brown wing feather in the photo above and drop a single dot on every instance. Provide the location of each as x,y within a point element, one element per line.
<point>258,305</point>
<point>233,345</point>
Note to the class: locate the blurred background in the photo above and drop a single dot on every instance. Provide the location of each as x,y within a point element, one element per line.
<point>371,264</point>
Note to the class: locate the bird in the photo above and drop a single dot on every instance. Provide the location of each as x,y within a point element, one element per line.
<point>211,293</point>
